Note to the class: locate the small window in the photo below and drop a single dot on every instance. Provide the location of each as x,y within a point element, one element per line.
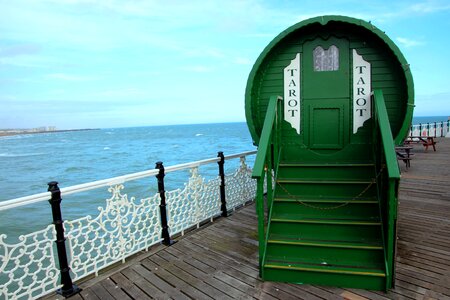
<point>326,60</point>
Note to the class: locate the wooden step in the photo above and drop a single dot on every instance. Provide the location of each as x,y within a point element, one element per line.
<point>335,200</point>
<point>323,273</point>
<point>319,181</point>
<point>327,249</point>
<point>335,171</point>
<point>343,210</point>
<point>326,165</point>
<point>308,188</point>
<point>325,226</point>
<point>324,267</point>
<point>360,243</point>
<point>334,229</point>
<point>320,219</point>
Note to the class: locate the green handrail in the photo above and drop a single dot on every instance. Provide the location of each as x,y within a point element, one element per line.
<point>392,181</point>
<point>266,137</point>
<point>386,135</point>
<point>263,166</point>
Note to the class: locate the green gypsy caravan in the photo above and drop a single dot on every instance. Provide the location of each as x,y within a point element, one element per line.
<point>326,103</point>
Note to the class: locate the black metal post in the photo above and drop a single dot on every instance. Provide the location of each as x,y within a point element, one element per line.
<point>223,201</point>
<point>162,206</point>
<point>435,129</point>
<point>68,289</point>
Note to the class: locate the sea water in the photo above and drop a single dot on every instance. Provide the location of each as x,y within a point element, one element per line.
<point>28,162</point>
<point>429,119</point>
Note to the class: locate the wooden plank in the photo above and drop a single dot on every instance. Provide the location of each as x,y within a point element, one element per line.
<point>101,292</point>
<point>88,294</point>
<point>264,296</point>
<point>422,265</point>
<point>200,284</point>
<point>423,284</point>
<point>159,283</point>
<point>120,280</point>
<point>277,291</point>
<point>227,289</point>
<point>237,284</point>
<point>322,293</point>
<point>295,290</point>
<point>368,294</point>
<point>143,284</point>
<point>238,253</point>
<point>230,290</point>
<point>410,286</point>
<point>211,260</point>
<point>176,282</point>
<point>191,270</point>
<point>114,290</point>
<point>76,297</point>
<point>351,296</point>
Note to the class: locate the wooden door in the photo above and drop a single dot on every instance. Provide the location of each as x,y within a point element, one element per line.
<point>326,94</point>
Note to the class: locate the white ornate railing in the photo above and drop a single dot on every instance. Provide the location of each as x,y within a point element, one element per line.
<point>433,129</point>
<point>125,226</point>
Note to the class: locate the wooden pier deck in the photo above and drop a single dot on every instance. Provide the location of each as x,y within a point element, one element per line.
<point>219,261</point>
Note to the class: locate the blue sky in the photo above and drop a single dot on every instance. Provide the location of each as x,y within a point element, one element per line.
<point>118,63</point>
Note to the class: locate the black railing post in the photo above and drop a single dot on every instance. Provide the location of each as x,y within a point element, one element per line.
<point>68,288</point>
<point>162,206</point>
<point>223,201</point>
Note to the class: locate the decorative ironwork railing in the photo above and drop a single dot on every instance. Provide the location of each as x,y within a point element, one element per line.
<point>38,263</point>
<point>431,129</point>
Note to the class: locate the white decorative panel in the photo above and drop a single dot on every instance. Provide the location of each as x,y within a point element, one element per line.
<point>197,202</point>
<point>122,228</point>
<point>292,93</point>
<point>361,91</point>
<point>240,187</point>
<point>28,269</point>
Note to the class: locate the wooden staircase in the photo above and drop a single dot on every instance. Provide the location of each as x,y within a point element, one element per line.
<point>324,226</point>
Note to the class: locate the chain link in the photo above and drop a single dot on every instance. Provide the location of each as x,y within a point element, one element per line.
<point>374,180</point>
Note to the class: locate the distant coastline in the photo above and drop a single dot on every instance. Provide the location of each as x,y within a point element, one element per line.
<point>20,132</point>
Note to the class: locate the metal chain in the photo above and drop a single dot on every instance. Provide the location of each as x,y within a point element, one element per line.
<point>374,180</point>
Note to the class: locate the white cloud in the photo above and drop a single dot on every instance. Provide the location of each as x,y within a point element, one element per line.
<point>70,77</point>
<point>203,52</point>
<point>122,93</point>
<point>408,43</point>
<point>430,6</point>
<point>243,61</point>
<point>198,69</point>
<point>29,61</point>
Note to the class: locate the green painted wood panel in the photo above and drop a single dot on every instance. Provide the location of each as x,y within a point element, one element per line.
<point>390,71</point>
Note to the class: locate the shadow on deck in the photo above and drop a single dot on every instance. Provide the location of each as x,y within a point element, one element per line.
<point>220,261</point>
